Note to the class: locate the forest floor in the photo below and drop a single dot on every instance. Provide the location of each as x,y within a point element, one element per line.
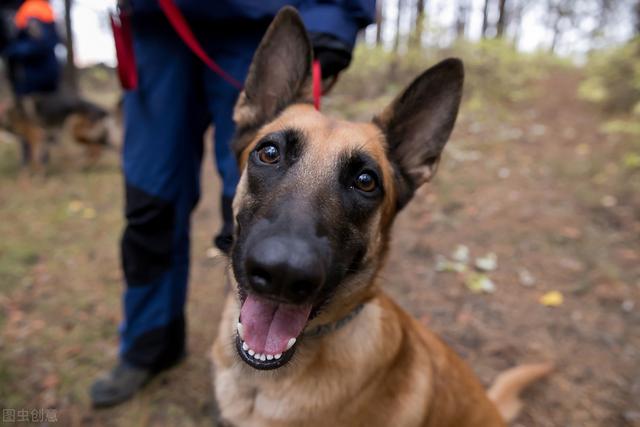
<point>537,183</point>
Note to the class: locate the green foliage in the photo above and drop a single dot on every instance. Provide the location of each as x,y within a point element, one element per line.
<point>9,155</point>
<point>495,71</point>
<point>613,78</point>
<point>15,260</point>
<point>629,127</point>
<point>631,160</point>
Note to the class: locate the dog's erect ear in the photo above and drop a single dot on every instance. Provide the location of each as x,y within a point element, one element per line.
<point>418,123</point>
<point>279,76</point>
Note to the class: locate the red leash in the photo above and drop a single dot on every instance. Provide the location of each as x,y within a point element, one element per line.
<point>317,83</point>
<point>179,23</point>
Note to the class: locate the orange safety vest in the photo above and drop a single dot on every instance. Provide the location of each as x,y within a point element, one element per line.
<point>34,9</point>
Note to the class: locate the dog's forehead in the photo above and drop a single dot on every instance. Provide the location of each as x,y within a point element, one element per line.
<point>327,142</point>
<point>327,139</point>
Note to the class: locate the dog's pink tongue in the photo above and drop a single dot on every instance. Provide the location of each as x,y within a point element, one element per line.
<point>268,326</point>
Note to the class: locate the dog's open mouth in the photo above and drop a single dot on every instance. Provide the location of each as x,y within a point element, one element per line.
<point>268,331</point>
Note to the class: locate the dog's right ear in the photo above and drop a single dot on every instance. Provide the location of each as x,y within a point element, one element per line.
<point>280,75</point>
<point>418,123</point>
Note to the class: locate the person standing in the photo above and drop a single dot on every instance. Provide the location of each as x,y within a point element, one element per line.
<point>32,62</point>
<point>32,67</point>
<point>176,98</point>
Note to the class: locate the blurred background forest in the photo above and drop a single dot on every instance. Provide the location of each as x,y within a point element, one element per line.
<point>526,247</point>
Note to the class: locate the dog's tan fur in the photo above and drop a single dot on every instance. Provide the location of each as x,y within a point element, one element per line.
<point>21,125</point>
<point>365,373</point>
<point>383,368</point>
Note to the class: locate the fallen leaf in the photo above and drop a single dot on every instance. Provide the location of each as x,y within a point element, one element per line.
<point>88,213</point>
<point>489,262</point>
<point>444,265</point>
<point>526,278</point>
<point>552,299</point>
<point>477,282</point>
<point>461,254</point>
<point>75,206</point>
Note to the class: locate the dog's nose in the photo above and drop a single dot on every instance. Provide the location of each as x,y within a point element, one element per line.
<point>287,268</point>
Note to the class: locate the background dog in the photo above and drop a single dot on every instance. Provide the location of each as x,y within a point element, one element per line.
<point>310,338</point>
<point>37,120</point>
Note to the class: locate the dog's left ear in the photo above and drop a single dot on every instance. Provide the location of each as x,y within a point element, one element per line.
<point>418,123</point>
<point>280,75</point>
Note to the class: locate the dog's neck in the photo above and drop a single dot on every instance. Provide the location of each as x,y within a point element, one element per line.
<point>327,328</point>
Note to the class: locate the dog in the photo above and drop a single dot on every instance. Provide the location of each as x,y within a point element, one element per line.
<point>36,121</point>
<point>309,338</point>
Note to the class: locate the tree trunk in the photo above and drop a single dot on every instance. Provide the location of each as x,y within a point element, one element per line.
<point>379,21</point>
<point>462,16</point>
<point>396,44</point>
<point>419,24</point>
<point>485,18</point>
<point>502,19</point>
<point>556,34</point>
<point>70,68</point>
<point>637,19</point>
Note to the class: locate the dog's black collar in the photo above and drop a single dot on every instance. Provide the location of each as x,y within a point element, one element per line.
<point>322,330</point>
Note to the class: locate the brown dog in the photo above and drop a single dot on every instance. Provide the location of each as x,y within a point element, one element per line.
<point>310,338</point>
<point>36,120</point>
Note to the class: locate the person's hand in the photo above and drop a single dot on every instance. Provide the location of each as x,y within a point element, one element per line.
<point>333,54</point>
<point>332,61</point>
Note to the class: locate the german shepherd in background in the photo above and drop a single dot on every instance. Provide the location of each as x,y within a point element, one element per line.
<point>37,120</point>
<point>310,338</point>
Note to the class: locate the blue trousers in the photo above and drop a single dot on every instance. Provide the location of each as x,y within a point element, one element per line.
<point>165,120</point>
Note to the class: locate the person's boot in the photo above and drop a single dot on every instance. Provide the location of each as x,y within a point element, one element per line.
<point>224,239</point>
<point>118,385</point>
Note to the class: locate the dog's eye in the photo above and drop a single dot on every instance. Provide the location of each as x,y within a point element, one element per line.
<point>269,154</point>
<point>365,182</point>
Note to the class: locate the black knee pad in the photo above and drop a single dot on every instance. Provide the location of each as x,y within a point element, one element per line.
<point>159,348</point>
<point>147,241</point>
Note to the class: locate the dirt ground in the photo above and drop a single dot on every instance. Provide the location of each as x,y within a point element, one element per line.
<point>538,184</point>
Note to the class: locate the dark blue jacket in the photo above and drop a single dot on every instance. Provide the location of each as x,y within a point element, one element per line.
<point>339,18</point>
<point>33,65</point>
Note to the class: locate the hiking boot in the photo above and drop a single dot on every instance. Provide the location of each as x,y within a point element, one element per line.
<point>118,385</point>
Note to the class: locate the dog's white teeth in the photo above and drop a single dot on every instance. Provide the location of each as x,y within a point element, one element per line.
<point>245,347</point>
<point>277,356</point>
<point>256,356</point>
<point>251,352</point>
<point>263,357</point>
<point>291,342</point>
<point>269,357</point>
<point>240,331</point>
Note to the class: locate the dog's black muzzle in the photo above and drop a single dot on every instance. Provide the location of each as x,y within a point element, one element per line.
<point>285,262</point>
